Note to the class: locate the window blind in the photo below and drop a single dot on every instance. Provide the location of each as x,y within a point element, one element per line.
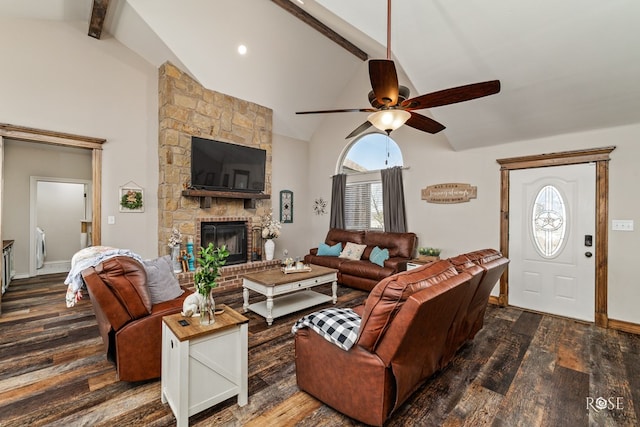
<point>363,206</point>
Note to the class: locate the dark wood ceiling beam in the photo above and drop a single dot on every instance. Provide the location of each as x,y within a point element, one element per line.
<point>98,14</point>
<point>322,28</point>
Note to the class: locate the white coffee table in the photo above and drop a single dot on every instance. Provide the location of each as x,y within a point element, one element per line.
<point>288,293</point>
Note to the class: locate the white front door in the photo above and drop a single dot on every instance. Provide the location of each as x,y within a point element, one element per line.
<point>552,240</point>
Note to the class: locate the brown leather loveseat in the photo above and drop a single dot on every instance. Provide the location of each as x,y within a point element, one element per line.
<point>130,324</point>
<point>364,274</point>
<point>411,326</point>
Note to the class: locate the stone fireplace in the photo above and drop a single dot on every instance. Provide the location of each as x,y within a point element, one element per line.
<point>188,109</point>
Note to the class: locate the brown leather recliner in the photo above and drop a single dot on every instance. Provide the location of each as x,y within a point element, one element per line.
<point>412,325</point>
<point>131,327</point>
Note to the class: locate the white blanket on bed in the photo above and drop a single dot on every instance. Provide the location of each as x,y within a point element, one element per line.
<point>85,258</point>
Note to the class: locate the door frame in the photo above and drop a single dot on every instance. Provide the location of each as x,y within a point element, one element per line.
<point>21,133</point>
<point>599,156</point>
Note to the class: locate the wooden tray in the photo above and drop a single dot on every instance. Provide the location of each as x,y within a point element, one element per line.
<point>305,269</point>
<point>427,258</point>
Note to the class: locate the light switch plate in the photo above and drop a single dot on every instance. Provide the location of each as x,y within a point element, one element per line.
<point>622,225</point>
<point>111,219</point>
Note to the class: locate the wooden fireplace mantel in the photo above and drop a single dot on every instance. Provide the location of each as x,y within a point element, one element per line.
<point>206,196</point>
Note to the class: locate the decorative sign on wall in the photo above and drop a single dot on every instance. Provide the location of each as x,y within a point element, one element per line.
<point>449,193</point>
<point>286,206</point>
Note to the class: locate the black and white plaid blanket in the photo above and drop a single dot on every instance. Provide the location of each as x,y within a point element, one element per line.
<point>337,325</point>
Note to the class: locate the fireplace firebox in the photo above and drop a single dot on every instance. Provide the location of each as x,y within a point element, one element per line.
<point>233,234</point>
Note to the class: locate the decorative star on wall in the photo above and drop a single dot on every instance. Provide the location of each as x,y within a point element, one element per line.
<point>320,206</point>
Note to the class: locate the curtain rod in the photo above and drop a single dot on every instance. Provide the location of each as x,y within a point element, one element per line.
<point>371,171</point>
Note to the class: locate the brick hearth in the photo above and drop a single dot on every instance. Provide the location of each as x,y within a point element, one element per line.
<point>231,276</point>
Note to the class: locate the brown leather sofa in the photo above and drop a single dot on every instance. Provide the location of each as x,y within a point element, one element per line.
<point>412,325</point>
<point>131,327</point>
<point>364,274</point>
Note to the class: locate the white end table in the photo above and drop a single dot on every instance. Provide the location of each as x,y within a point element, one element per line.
<point>203,365</point>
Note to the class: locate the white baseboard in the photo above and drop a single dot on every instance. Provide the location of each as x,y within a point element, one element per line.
<point>54,267</point>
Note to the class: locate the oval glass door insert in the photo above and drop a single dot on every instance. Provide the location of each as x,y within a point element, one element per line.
<point>549,221</point>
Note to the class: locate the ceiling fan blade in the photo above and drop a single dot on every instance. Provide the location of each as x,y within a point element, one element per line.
<point>366,125</point>
<point>424,123</point>
<point>452,95</point>
<point>384,81</point>
<point>345,110</point>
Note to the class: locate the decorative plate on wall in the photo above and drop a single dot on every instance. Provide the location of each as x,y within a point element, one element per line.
<point>286,206</point>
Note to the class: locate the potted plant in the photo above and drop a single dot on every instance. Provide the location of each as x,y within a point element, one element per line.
<point>429,254</point>
<point>210,260</point>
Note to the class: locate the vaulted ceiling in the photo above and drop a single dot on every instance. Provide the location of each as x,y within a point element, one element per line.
<point>565,66</point>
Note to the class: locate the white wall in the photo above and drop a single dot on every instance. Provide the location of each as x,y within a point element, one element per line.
<point>290,160</point>
<point>57,78</point>
<point>463,227</point>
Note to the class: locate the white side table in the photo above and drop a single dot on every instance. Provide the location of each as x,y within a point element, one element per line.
<point>203,365</point>
<point>419,262</point>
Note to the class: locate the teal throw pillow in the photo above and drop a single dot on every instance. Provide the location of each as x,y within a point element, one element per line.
<point>379,256</point>
<point>326,250</point>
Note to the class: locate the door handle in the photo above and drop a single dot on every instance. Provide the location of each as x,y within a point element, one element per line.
<point>588,254</point>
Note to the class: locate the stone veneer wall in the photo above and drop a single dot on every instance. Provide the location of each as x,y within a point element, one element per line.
<point>188,109</point>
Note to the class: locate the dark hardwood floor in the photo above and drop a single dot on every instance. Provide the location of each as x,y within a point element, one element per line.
<point>522,369</point>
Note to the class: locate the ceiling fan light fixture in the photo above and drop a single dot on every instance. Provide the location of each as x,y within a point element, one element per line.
<point>389,120</point>
<point>391,107</point>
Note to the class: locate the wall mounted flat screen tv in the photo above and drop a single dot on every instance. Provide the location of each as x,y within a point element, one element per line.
<point>221,166</point>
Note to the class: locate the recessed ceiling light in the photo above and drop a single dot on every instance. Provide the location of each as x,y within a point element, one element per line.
<point>301,1</point>
<point>242,49</point>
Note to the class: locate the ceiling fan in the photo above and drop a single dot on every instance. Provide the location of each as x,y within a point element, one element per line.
<point>391,106</point>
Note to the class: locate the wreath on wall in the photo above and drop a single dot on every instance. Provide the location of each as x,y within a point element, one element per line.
<point>131,199</point>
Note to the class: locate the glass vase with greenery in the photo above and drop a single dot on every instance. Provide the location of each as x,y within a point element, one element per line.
<point>210,259</point>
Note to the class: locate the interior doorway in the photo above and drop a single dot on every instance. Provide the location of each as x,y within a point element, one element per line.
<point>59,208</point>
<point>21,133</point>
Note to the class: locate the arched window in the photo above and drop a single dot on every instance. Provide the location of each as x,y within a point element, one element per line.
<point>362,163</point>
<point>371,152</point>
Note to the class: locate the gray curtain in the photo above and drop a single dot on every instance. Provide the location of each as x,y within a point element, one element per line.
<point>338,189</point>
<point>395,218</point>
